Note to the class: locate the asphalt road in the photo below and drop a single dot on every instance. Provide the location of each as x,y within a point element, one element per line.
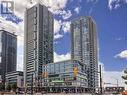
<point>57,94</point>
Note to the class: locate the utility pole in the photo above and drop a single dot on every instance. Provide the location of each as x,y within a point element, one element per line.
<point>100,80</point>
<point>117,83</point>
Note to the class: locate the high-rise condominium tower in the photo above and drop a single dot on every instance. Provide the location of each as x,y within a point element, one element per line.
<point>38,42</point>
<point>84,47</point>
<point>8,53</point>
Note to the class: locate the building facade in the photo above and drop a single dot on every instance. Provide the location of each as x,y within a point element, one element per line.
<point>84,47</point>
<point>15,77</point>
<point>68,75</point>
<point>8,53</point>
<point>38,45</point>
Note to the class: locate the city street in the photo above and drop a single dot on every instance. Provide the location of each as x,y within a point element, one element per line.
<point>47,94</point>
<point>57,94</point>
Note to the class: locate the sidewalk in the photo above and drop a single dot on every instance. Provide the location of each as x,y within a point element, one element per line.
<point>64,94</point>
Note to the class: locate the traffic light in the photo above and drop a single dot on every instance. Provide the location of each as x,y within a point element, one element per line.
<point>74,78</point>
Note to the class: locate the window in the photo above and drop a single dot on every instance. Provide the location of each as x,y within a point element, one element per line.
<point>0,35</point>
<point>35,9</point>
<point>57,68</point>
<point>35,21</point>
<point>0,48</point>
<point>35,44</point>
<point>35,15</point>
<point>35,36</point>
<point>62,70</point>
<point>52,68</point>
<point>35,27</point>
<point>0,59</point>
